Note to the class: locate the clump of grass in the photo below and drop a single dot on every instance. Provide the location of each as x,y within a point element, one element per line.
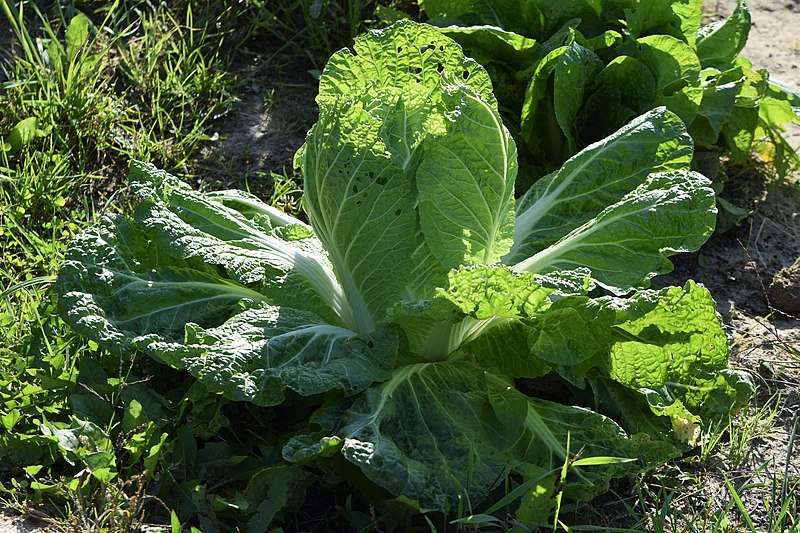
<point>314,29</point>
<point>178,80</point>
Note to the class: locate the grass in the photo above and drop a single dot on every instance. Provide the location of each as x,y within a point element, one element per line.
<point>84,93</point>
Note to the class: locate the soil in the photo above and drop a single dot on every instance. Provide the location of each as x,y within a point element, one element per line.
<point>752,270</point>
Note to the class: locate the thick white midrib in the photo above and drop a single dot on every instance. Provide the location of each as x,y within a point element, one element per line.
<point>400,376</point>
<point>500,214</point>
<point>357,316</point>
<point>319,274</point>
<point>536,263</point>
<point>223,290</point>
<point>316,331</point>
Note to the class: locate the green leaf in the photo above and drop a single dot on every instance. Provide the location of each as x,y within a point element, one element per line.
<point>673,336</point>
<point>570,331</point>
<point>519,16</point>
<point>539,126</point>
<point>22,134</point>
<point>173,303</point>
<point>491,45</point>
<point>255,355</point>
<point>494,292</point>
<point>680,19</point>
<point>475,299</point>
<point>676,69</point>
<point>87,443</point>
<point>254,243</point>
<point>77,34</point>
<point>607,210</point>
<point>430,434</point>
<point>625,90</point>
<point>720,42</point>
<point>720,90</point>
<point>575,71</point>
<point>10,419</point>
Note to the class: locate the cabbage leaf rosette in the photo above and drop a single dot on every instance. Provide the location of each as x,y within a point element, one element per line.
<point>455,337</point>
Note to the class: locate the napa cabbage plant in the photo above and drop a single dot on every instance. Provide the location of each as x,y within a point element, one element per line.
<point>452,336</point>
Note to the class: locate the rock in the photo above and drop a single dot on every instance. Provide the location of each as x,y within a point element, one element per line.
<point>784,291</point>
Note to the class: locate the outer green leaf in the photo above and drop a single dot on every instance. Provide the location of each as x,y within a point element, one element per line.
<point>677,341</point>
<point>255,355</point>
<point>235,231</point>
<point>597,177</point>
<point>676,69</point>
<point>599,210</point>
<point>672,349</point>
<point>174,303</point>
<point>720,42</point>
<point>113,293</point>
<point>430,434</point>
<point>547,427</point>
<point>628,242</point>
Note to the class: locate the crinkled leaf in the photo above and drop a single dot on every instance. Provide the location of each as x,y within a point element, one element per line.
<point>670,343</point>
<point>429,434</point>
<point>259,353</point>
<point>494,292</point>
<point>474,299</point>
<point>235,231</point>
<point>113,293</point>
<point>157,286</point>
